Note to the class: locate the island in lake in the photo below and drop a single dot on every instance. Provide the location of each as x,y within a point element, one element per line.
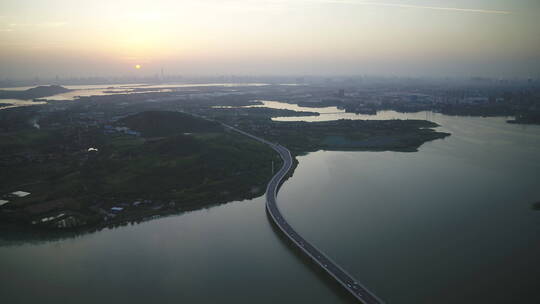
<point>33,93</point>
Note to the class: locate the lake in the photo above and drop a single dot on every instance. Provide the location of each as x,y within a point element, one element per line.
<point>451,223</point>
<point>112,89</point>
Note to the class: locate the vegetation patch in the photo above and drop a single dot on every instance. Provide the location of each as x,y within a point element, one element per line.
<point>99,176</point>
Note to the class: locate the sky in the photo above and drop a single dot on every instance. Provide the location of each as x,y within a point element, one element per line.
<point>494,38</point>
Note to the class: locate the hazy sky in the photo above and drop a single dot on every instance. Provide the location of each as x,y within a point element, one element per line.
<point>393,37</point>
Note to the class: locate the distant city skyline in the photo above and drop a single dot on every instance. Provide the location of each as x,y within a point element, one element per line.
<point>492,38</point>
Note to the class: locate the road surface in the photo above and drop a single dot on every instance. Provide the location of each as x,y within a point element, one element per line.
<point>352,285</point>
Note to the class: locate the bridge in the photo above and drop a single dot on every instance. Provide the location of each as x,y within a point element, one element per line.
<point>352,285</point>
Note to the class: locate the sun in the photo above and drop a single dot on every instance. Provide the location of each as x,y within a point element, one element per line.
<point>138,66</point>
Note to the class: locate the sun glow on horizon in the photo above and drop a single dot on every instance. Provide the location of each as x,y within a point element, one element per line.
<point>269,37</point>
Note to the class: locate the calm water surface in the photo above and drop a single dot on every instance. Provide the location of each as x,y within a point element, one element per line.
<point>451,223</point>
<point>112,89</point>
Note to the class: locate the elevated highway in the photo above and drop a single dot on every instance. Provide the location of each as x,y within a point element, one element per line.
<point>352,285</point>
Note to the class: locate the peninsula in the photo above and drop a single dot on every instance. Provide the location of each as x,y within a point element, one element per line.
<point>147,164</point>
<point>109,160</point>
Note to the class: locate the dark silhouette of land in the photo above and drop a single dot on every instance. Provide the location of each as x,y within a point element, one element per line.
<point>37,92</point>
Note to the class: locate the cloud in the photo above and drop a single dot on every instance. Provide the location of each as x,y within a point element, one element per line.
<point>455,9</point>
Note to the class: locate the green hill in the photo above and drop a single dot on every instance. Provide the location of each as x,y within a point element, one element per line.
<point>166,123</point>
<point>37,92</point>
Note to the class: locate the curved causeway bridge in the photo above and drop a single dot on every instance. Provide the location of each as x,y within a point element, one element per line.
<point>339,274</point>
